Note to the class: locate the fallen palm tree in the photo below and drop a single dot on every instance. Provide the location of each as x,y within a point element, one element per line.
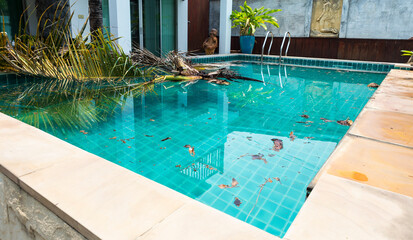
<point>178,68</point>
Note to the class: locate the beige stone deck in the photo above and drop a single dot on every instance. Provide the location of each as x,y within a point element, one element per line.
<point>365,189</point>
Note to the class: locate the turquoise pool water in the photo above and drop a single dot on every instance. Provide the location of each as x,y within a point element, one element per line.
<point>230,127</point>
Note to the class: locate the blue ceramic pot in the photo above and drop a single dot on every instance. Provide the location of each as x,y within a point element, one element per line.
<point>247,43</point>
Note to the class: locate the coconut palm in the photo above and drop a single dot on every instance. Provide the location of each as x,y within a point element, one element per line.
<point>95,15</point>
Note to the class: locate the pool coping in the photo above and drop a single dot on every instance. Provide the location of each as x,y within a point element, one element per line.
<point>325,63</point>
<point>154,212</point>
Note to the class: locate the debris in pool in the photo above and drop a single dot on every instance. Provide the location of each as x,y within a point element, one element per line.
<point>292,136</point>
<point>308,137</point>
<point>237,202</point>
<point>152,120</point>
<point>123,140</point>
<point>326,120</point>
<point>267,180</point>
<point>346,122</point>
<point>179,165</point>
<point>234,183</point>
<point>114,130</point>
<point>219,81</point>
<point>373,85</point>
<point>249,138</point>
<point>84,132</point>
<point>165,139</point>
<point>129,147</point>
<point>305,116</point>
<point>148,135</point>
<point>112,138</point>
<point>190,149</point>
<point>271,155</point>
<point>278,144</point>
<point>306,122</point>
<point>209,118</point>
<point>278,179</point>
<point>259,156</point>
<point>210,168</point>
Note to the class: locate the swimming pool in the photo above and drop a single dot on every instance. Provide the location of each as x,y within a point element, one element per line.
<point>231,129</point>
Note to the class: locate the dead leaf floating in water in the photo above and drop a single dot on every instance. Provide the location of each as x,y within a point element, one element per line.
<point>292,136</point>
<point>84,132</point>
<point>278,144</point>
<point>165,139</point>
<point>152,120</point>
<point>237,202</point>
<point>278,179</point>
<point>259,156</point>
<point>234,183</point>
<point>148,135</point>
<point>326,120</point>
<point>305,116</point>
<point>112,138</point>
<point>190,149</point>
<point>346,122</point>
<point>223,186</point>
<point>373,85</point>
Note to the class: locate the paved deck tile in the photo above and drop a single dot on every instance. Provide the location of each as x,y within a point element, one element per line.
<point>374,163</point>
<point>342,209</point>
<point>202,223</point>
<point>384,126</point>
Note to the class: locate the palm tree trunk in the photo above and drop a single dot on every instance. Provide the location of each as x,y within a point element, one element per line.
<point>95,15</point>
<point>47,8</point>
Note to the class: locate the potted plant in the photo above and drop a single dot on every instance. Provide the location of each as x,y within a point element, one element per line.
<point>249,20</point>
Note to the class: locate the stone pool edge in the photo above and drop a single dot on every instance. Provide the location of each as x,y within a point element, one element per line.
<point>96,198</point>
<point>365,189</point>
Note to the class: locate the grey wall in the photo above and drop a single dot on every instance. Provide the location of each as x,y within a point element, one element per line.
<point>378,19</point>
<point>293,18</point>
<point>372,19</point>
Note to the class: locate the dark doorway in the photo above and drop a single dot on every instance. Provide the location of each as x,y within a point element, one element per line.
<point>198,23</point>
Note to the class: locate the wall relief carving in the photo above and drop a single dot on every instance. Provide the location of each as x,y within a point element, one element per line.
<point>326,18</point>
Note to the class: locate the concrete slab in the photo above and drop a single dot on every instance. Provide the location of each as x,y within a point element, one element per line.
<point>377,164</point>
<point>342,209</point>
<point>384,126</point>
<point>203,223</point>
<point>389,102</point>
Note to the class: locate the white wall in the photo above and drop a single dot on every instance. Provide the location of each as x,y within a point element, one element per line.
<point>80,8</point>
<point>120,26</point>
